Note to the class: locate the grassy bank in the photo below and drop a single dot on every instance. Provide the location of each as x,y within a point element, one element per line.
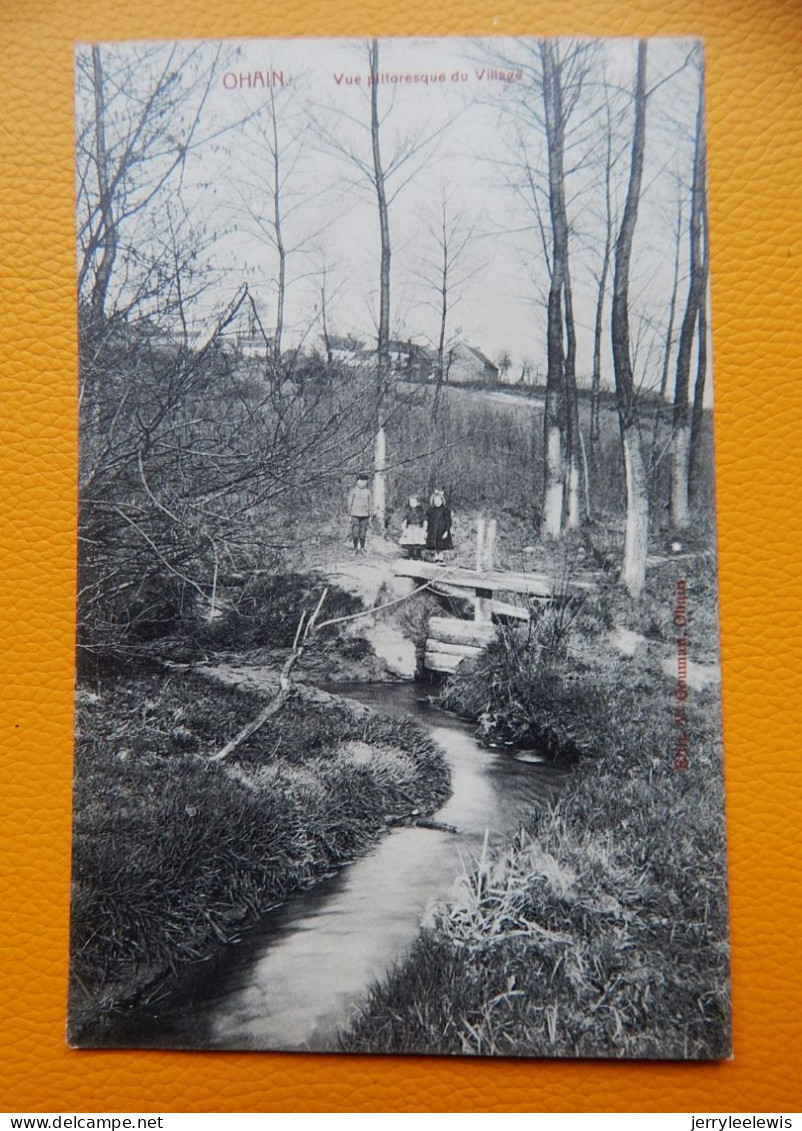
<point>174,854</point>
<point>601,930</point>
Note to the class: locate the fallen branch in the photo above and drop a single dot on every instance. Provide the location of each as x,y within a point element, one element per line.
<point>387,605</point>
<point>302,633</point>
<point>430,823</point>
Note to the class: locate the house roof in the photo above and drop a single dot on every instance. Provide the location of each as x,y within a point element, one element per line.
<point>478,355</point>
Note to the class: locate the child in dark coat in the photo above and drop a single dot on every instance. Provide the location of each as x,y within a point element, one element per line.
<point>438,526</point>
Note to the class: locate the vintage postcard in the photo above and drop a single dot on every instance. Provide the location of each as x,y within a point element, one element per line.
<point>398,690</point>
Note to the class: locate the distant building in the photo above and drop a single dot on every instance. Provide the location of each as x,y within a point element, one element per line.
<point>346,349</point>
<point>411,360</point>
<point>254,346</point>
<point>245,337</point>
<point>245,344</point>
<point>466,365</point>
<point>408,360</point>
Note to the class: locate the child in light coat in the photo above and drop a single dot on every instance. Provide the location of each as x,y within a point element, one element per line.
<point>360,509</point>
<point>413,534</point>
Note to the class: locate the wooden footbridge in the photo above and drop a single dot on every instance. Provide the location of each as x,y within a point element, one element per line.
<point>453,639</point>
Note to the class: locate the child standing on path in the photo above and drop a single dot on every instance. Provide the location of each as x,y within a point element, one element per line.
<point>438,526</point>
<point>413,536</point>
<point>360,509</point>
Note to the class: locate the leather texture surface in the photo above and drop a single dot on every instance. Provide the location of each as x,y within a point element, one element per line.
<point>755,176</point>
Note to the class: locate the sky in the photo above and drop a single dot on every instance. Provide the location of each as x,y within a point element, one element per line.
<point>465,116</point>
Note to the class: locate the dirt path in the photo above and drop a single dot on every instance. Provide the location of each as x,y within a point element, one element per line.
<point>370,577</point>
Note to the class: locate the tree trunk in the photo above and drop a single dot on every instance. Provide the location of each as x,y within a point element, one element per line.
<point>681,445</point>
<point>380,479</point>
<point>553,468</point>
<point>636,537</point>
<point>553,421</point>
<point>324,321</point>
<point>633,573</point>
<point>383,345</point>
<point>282,253</point>
<point>697,416</point>
<point>672,311</point>
<point>441,341</point>
<point>573,515</point>
<point>595,381</point>
<point>108,239</point>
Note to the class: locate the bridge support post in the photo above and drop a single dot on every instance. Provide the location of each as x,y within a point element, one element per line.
<point>483,609</point>
<point>490,545</point>
<point>480,543</point>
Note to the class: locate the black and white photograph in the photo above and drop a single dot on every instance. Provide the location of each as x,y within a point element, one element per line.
<point>398,693</point>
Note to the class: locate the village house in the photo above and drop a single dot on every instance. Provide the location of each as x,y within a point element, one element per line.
<point>246,338</point>
<point>345,349</point>
<point>408,360</point>
<point>412,361</point>
<point>466,365</point>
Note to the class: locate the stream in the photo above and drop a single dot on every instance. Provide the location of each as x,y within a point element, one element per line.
<point>294,979</point>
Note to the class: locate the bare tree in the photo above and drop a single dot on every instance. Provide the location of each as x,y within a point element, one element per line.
<point>563,78</point>
<point>681,439</point>
<point>129,148</point>
<point>105,237</point>
<point>444,273</point>
<point>637,519</point>
<point>383,345</point>
<point>269,202</point>
<point>595,382</point>
<point>556,77</point>
<point>551,522</point>
<point>384,176</point>
<point>185,460</point>
<point>325,297</point>
<point>697,415</point>
<point>668,345</point>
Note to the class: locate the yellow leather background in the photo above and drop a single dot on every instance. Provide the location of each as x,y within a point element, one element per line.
<point>755,138</point>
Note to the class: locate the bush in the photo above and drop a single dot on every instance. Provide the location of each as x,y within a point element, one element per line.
<point>523,690</point>
<point>265,611</point>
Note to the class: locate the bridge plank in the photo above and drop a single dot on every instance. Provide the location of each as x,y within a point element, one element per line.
<point>531,584</point>
<point>442,646</point>
<point>500,608</point>
<point>455,631</point>
<point>441,662</point>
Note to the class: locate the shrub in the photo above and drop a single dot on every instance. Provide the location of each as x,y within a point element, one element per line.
<point>265,610</point>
